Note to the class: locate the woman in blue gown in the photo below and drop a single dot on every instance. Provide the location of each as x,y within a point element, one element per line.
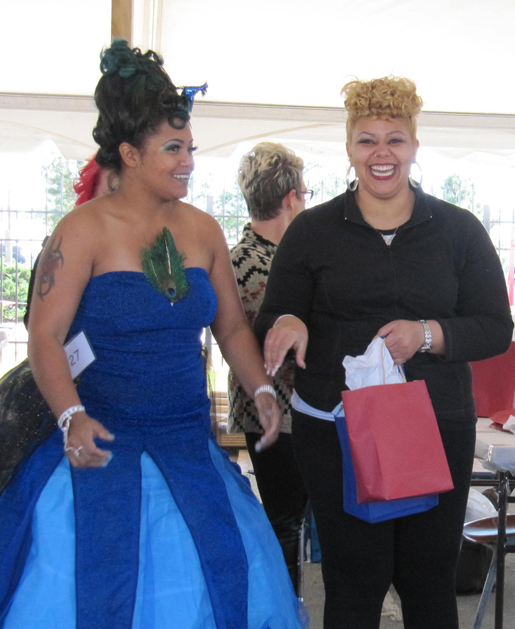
<point>140,521</point>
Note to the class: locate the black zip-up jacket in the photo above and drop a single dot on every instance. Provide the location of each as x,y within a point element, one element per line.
<point>336,273</point>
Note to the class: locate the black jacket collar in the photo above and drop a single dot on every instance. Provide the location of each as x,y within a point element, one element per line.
<point>421,210</point>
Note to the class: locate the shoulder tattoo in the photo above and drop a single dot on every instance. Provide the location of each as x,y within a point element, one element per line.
<point>51,260</point>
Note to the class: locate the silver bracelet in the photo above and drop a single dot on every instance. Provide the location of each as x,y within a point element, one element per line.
<point>64,421</point>
<point>68,413</point>
<point>265,388</point>
<point>428,339</point>
<point>281,317</point>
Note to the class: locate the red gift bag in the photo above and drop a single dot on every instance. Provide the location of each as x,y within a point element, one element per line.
<point>494,384</point>
<point>396,448</point>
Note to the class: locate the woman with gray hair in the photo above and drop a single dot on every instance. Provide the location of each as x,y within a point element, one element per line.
<point>270,178</point>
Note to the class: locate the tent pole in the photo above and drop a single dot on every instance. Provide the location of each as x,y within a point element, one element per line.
<point>121,20</point>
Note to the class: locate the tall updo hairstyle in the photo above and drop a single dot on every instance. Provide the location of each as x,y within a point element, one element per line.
<point>134,96</point>
<point>382,99</point>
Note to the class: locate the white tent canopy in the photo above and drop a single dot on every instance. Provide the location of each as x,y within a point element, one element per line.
<point>28,119</point>
<point>275,69</point>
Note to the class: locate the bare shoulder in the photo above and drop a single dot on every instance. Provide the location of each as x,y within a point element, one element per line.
<point>198,216</point>
<point>208,228</point>
<point>198,235</point>
<point>77,237</point>
<point>85,218</point>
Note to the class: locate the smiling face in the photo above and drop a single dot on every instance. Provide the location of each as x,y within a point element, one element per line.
<point>167,161</point>
<point>382,152</point>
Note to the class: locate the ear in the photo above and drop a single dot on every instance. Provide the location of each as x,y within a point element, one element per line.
<point>347,147</point>
<point>288,200</point>
<point>130,155</point>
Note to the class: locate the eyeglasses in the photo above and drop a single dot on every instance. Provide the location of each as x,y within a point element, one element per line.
<point>308,194</point>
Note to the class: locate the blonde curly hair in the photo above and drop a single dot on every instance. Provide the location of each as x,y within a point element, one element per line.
<point>382,99</point>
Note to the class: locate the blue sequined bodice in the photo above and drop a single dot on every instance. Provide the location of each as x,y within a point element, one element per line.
<point>149,363</point>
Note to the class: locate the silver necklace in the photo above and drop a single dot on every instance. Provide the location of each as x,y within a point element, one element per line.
<point>387,237</point>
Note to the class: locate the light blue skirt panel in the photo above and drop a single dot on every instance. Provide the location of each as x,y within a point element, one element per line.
<point>171,590</point>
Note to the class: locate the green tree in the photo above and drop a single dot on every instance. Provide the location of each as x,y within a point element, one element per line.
<point>15,276</point>
<point>200,190</point>
<point>461,192</point>
<point>230,211</point>
<point>325,185</point>
<point>60,196</point>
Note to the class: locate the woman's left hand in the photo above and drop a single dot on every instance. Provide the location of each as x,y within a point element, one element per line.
<point>403,339</point>
<point>269,417</point>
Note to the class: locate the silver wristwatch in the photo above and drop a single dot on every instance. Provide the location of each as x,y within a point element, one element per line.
<point>428,339</point>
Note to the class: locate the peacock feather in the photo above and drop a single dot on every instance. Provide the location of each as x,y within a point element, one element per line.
<point>164,267</point>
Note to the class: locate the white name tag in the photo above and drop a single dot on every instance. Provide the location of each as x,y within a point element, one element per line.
<point>79,353</point>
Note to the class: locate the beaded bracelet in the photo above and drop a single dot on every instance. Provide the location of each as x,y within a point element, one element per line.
<point>64,421</point>
<point>265,388</point>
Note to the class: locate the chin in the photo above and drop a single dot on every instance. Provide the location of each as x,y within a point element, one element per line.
<point>178,193</point>
<point>386,189</point>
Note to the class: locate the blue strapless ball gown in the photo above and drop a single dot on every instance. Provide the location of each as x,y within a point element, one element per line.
<point>168,535</point>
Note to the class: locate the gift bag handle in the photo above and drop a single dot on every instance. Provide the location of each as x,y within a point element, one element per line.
<point>399,367</point>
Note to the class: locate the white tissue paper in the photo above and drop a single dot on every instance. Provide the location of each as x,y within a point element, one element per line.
<point>478,506</point>
<point>370,369</point>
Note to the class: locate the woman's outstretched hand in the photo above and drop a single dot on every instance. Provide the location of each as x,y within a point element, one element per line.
<point>269,417</point>
<point>289,332</point>
<point>81,449</point>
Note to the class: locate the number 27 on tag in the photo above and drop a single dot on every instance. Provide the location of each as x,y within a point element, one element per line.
<point>79,353</point>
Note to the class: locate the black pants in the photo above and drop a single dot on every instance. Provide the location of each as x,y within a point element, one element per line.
<point>417,553</point>
<point>283,494</point>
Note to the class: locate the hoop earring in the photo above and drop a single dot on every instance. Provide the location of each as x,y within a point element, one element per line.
<point>416,183</point>
<point>112,182</point>
<point>352,182</point>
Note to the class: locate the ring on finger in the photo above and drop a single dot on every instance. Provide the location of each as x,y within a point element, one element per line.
<point>75,451</point>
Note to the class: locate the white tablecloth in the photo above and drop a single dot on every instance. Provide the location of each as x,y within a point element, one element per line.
<point>495,449</point>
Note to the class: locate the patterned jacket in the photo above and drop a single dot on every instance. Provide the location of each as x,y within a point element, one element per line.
<point>251,259</point>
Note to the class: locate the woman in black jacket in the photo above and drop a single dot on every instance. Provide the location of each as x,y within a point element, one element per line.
<point>385,259</point>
